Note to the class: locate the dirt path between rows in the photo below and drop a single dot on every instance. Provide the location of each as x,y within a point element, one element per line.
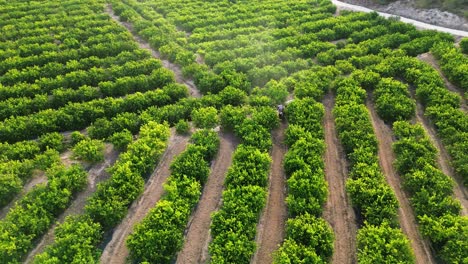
<point>443,159</point>
<point>96,174</point>
<point>116,251</point>
<point>338,210</point>
<point>406,216</point>
<point>429,58</point>
<point>271,228</point>
<point>143,44</point>
<point>37,178</point>
<point>197,234</point>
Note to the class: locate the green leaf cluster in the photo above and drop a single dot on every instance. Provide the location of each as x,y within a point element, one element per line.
<point>370,194</point>
<point>431,192</point>
<point>33,214</point>
<point>109,204</point>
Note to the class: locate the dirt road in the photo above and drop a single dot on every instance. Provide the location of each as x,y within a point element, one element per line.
<point>270,231</point>
<point>197,237</point>
<point>443,159</point>
<point>96,174</point>
<point>338,210</point>
<point>406,216</point>
<point>194,92</point>
<point>115,250</point>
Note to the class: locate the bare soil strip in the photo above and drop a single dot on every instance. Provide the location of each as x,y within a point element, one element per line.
<point>406,216</point>
<point>270,231</point>
<point>143,44</point>
<point>429,58</point>
<point>115,250</point>
<point>197,234</point>
<point>96,174</point>
<point>443,159</point>
<point>338,210</point>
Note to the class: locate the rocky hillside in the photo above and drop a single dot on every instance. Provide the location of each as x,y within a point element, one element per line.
<point>413,9</point>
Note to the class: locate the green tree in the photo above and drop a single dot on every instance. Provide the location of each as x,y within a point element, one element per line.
<point>121,139</point>
<point>89,150</point>
<point>232,96</point>
<point>464,45</point>
<point>53,140</point>
<point>311,236</point>
<point>383,244</point>
<point>182,127</point>
<point>206,117</point>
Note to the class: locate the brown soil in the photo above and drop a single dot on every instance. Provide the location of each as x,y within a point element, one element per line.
<point>96,174</point>
<point>429,58</point>
<point>115,250</point>
<point>143,44</point>
<point>406,216</point>
<point>338,210</point>
<point>66,158</point>
<point>271,228</point>
<point>443,159</point>
<point>197,236</point>
<point>200,59</point>
<point>37,178</point>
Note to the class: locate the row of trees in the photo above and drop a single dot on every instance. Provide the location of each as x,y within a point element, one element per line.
<point>464,45</point>
<point>32,216</point>
<point>52,69</point>
<point>81,75</point>
<point>75,116</point>
<point>19,161</point>
<point>109,204</point>
<point>13,174</point>
<point>431,192</point>
<point>453,63</point>
<point>172,45</point>
<point>202,111</point>
<point>308,237</point>
<point>233,227</point>
<point>19,151</point>
<point>441,106</point>
<point>409,40</point>
<point>160,235</point>
<point>62,96</point>
<point>369,192</point>
<point>101,50</point>
<point>392,101</point>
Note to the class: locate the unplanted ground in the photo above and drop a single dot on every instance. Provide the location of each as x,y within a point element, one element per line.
<point>443,159</point>
<point>338,210</point>
<point>197,234</point>
<point>420,246</point>
<point>270,231</point>
<point>115,251</point>
<point>96,173</point>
